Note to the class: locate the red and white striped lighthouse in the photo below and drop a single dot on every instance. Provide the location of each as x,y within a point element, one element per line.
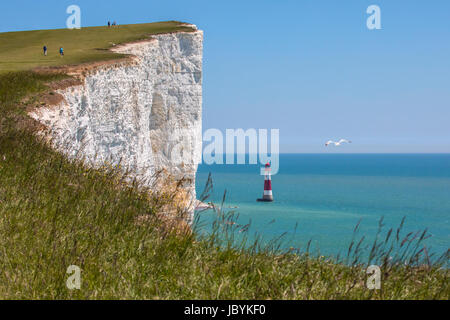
<point>268,196</point>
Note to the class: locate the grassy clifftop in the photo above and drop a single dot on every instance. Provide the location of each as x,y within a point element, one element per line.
<point>55,213</point>
<point>23,50</point>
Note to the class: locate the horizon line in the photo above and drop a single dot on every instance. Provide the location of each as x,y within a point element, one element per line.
<point>348,153</point>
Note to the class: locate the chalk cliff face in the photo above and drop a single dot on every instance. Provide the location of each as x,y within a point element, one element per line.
<point>145,114</point>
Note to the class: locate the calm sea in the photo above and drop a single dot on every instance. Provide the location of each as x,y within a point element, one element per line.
<point>326,195</point>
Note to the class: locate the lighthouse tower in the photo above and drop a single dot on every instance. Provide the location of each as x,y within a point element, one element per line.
<point>268,196</point>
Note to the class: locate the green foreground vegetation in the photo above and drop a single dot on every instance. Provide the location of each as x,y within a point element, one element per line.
<point>55,213</point>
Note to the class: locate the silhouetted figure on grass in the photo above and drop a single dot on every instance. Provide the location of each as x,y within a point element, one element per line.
<point>45,50</point>
<point>61,51</point>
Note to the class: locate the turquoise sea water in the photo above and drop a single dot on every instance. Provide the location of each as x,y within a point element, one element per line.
<point>326,195</point>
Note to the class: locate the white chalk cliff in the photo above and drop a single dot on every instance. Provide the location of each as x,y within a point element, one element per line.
<point>145,114</point>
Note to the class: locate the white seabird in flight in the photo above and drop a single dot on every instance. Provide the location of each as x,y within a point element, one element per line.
<point>337,144</point>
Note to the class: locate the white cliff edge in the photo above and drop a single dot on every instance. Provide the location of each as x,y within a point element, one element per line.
<point>145,115</point>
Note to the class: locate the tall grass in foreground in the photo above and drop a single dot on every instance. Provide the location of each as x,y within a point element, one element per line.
<point>55,212</point>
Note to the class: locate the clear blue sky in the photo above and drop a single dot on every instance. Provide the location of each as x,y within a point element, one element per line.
<point>308,67</point>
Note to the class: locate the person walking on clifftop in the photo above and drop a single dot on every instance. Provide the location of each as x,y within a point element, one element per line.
<point>45,50</point>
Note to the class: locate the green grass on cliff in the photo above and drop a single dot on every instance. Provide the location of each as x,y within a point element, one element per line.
<point>23,50</point>
<point>55,213</point>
